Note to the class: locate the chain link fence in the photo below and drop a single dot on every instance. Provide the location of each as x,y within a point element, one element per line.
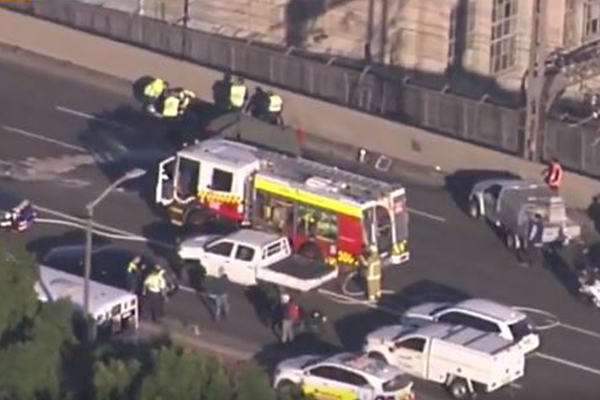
<point>363,89</point>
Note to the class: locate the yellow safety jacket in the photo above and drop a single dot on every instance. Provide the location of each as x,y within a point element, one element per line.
<point>275,103</point>
<point>155,88</point>
<point>155,283</point>
<point>171,107</point>
<point>372,265</point>
<point>237,95</point>
<point>132,267</point>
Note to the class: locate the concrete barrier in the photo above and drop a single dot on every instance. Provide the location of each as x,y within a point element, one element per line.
<point>329,121</point>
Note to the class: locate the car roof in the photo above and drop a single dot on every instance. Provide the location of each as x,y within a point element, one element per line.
<point>78,251</point>
<point>253,237</point>
<point>363,364</point>
<point>490,309</point>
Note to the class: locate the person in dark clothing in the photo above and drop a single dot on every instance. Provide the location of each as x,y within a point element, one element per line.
<point>218,291</point>
<point>257,106</point>
<point>528,251</point>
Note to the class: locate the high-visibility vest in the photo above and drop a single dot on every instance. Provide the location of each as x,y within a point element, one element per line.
<point>155,88</point>
<point>275,103</point>
<point>155,283</point>
<point>373,267</point>
<point>555,175</point>
<point>171,107</point>
<point>237,95</point>
<point>132,267</point>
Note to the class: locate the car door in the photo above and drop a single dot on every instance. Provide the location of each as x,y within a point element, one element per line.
<point>408,354</point>
<point>241,270</point>
<point>328,382</point>
<point>217,256</point>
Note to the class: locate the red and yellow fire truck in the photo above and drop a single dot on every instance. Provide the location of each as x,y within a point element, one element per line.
<point>327,213</point>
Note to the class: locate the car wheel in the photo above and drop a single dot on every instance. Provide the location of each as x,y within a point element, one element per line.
<point>287,389</point>
<point>459,389</point>
<point>197,221</point>
<point>512,241</point>
<point>474,210</point>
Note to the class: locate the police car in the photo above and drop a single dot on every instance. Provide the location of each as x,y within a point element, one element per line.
<point>345,376</point>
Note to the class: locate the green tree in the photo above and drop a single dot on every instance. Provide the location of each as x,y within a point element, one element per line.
<point>216,382</point>
<point>254,385</point>
<point>175,375</point>
<point>31,367</point>
<point>18,274</point>
<point>113,378</point>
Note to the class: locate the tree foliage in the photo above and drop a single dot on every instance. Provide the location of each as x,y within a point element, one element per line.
<point>18,275</point>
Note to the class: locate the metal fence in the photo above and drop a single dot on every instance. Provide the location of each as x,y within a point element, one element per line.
<point>461,118</point>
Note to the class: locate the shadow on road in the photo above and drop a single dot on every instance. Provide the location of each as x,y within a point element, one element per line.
<point>40,246</point>
<point>422,292</point>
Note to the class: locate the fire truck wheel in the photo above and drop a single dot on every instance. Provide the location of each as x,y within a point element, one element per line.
<point>197,220</point>
<point>310,251</point>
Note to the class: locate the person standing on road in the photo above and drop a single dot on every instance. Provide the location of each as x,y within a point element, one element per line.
<point>371,263</point>
<point>291,317</point>
<point>154,292</point>
<point>238,94</point>
<point>134,271</point>
<point>257,106</point>
<point>528,251</point>
<point>554,174</point>
<point>218,291</point>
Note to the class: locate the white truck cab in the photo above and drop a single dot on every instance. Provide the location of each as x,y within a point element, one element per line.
<point>463,359</point>
<point>250,256</point>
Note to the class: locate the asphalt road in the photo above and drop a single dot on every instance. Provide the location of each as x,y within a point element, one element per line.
<point>64,135</point>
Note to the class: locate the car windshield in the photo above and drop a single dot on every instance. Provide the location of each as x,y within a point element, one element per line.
<point>521,328</point>
<point>313,361</point>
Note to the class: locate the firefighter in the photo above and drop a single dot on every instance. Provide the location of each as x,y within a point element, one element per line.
<point>169,105</point>
<point>372,271</point>
<point>274,109</point>
<point>155,88</point>
<point>134,271</point>
<point>238,94</point>
<point>554,174</point>
<point>155,287</point>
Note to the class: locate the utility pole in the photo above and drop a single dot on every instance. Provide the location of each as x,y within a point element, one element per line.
<point>535,93</point>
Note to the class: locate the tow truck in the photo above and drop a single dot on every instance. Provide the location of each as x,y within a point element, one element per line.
<point>327,213</point>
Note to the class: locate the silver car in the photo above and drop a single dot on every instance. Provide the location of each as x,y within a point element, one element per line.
<point>484,315</point>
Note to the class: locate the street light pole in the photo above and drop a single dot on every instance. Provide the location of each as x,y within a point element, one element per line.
<point>134,173</point>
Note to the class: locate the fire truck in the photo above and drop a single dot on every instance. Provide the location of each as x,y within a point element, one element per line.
<point>327,213</point>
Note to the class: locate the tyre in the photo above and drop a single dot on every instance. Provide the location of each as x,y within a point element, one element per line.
<point>310,251</point>
<point>474,209</point>
<point>512,241</point>
<point>377,356</point>
<point>459,389</point>
<point>287,389</point>
<point>197,221</point>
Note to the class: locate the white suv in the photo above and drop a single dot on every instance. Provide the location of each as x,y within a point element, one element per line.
<point>484,315</point>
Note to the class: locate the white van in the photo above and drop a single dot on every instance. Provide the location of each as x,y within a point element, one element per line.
<point>114,310</point>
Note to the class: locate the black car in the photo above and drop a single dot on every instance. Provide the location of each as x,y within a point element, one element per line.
<point>16,213</point>
<point>109,264</point>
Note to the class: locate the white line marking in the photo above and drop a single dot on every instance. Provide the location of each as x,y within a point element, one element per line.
<point>45,139</point>
<point>426,215</point>
<point>568,363</point>
<point>187,289</point>
<point>351,300</point>
<point>580,330</point>
<point>95,118</point>
<point>516,385</point>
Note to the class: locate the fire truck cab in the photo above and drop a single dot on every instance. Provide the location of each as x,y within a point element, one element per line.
<point>327,213</point>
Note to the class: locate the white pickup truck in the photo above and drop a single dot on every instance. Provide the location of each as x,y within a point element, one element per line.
<point>463,359</point>
<point>249,257</point>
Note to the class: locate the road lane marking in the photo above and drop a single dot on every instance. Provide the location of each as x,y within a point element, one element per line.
<point>426,215</point>
<point>580,330</point>
<point>84,115</point>
<point>567,363</point>
<point>43,138</point>
<point>350,300</point>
